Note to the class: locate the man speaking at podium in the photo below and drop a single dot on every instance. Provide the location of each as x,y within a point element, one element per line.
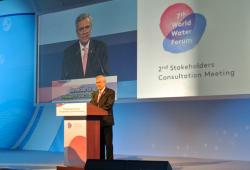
<point>87,57</point>
<point>104,98</point>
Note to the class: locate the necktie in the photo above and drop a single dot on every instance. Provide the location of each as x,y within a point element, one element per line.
<point>85,59</point>
<point>99,96</point>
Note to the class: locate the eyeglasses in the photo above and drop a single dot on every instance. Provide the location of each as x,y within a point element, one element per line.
<point>82,29</point>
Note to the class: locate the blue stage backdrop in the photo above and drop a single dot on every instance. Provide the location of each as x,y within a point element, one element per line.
<point>17,41</point>
<point>211,129</point>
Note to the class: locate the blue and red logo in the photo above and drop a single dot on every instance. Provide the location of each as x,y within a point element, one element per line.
<point>181,27</point>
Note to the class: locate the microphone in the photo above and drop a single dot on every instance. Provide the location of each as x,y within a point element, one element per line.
<point>100,65</point>
<point>92,53</point>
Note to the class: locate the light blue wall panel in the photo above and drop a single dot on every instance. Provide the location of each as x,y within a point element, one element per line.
<point>17,34</point>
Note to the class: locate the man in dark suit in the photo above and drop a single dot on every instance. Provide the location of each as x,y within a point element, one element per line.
<point>104,98</point>
<point>86,57</point>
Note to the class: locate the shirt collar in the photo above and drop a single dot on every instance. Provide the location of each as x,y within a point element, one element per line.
<point>102,90</point>
<point>86,46</point>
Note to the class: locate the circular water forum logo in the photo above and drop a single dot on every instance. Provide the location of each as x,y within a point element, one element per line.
<point>181,27</point>
<point>6,24</point>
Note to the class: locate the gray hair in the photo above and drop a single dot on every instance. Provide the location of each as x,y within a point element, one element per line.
<point>82,17</point>
<point>100,76</point>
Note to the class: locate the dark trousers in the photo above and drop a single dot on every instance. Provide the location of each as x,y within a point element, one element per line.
<point>106,143</point>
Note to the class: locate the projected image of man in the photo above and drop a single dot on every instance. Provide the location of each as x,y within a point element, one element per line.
<point>87,57</point>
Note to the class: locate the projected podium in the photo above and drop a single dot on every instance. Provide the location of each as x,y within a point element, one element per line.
<point>81,132</point>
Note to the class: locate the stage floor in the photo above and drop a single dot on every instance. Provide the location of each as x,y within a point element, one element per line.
<point>41,160</point>
<point>29,160</point>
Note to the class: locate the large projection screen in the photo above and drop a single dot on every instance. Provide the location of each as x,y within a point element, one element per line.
<point>193,48</point>
<point>112,24</point>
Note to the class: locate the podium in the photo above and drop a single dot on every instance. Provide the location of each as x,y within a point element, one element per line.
<point>81,132</point>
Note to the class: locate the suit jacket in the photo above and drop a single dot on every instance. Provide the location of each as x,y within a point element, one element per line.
<point>106,102</point>
<point>97,61</point>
